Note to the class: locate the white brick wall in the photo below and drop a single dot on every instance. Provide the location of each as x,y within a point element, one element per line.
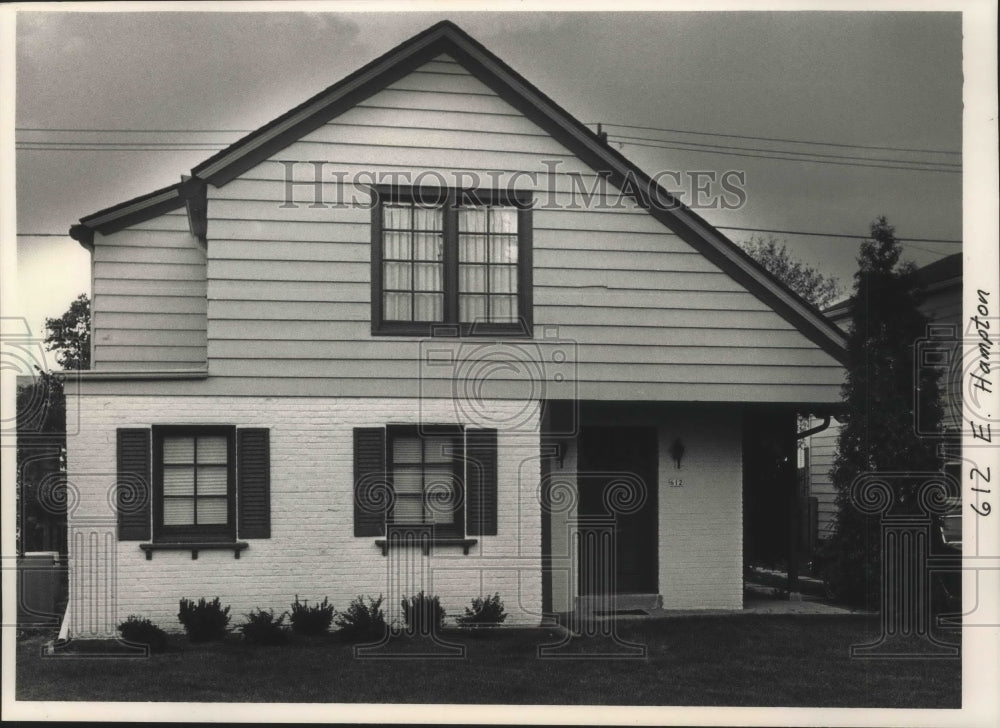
<point>312,551</point>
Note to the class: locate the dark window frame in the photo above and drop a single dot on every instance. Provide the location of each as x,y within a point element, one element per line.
<point>450,200</point>
<point>213,532</point>
<point>456,529</point>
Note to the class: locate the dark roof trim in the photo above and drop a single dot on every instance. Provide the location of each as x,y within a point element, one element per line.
<point>933,277</point>
<point>190,192</point>
<point>947,270</point>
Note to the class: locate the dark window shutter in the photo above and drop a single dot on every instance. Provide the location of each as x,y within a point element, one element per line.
<point>253,483</point>
<point>371,487</point>
<point>133,491</point>
<point>481,482</point>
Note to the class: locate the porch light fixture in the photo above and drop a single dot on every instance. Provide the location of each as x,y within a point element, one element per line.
<point>677,451</point>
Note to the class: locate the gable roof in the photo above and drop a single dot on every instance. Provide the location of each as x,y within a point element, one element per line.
<point>447,38</point>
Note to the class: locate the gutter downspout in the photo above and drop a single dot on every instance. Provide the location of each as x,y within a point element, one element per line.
<point>814,430</point>
<point>794,594</point>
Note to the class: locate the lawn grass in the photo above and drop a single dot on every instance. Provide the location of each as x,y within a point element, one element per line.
<point>750,660</point>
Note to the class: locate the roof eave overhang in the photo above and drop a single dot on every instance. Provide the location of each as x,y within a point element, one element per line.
<point>189,193</point>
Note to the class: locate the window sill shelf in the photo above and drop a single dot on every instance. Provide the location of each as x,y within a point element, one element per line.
<point>426,543</point>
<point>194,547</point>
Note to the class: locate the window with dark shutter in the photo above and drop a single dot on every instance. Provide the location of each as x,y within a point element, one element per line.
<point>253,483</point>
<point>481,480</point>
<point>133,491</point>
<point>420,477</point>
<point>371,490</point>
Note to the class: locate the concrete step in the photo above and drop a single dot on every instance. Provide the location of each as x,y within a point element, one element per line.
<point>592,603</point>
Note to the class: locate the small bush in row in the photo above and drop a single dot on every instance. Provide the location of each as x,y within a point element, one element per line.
<point>486,613</point>
<point>363,622</point>
<point>423,614</point>
<point>311,620</point>
<point>143,632</point>
<point>204,621</point>
<point>263,628</point>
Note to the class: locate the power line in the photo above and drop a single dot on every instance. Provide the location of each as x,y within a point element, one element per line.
<point>98,143</point>
<point>928,250</point>
<point>136,131</point>
<point>718,227</point>
<point>787,151</point>
<point>621,126</point>
<point>832,235</point>
<point>780,139</point>
<point>117,149</point>
<point>794,159</point>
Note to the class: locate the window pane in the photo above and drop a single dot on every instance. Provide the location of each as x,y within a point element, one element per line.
<point>440,480</point>
<point>213,449</point>
<point>439,494</point>
<point>472,249</point>
<point>405,450</point>
<point>178,449</point>
<point>471,278</point>
<point>396,216</point>
<point>439,450</point>
<point>472,220</point>
<point>396,276</point>
<point>503,220</point>
<point>503,279</point>
<point>427,276</point>
<point>396,307</point>
<point>471,308</point>
<point>503,309</point>
<point>212,511</point>
<point>429,307</point>
<point>178,512</point>
<point>428,246</point>
<point>439,512</point>
<point>212,480</point>
<point>503,249</point>
<point>178,480</point>
<point>428,218</point>
<point>396,245</point>
<point>406,480</point>
<point>408,509</point>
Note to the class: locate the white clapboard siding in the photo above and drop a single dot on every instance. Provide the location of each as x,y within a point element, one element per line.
<point>149,297</point>
<point>822,452</point>
<point>283,304</point>
<point>642,313</point>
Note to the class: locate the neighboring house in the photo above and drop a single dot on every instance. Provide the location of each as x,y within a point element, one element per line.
<point>942,285</point>
<point>283,393</point>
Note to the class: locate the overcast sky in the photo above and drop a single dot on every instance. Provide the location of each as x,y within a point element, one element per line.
<point>866,79</point>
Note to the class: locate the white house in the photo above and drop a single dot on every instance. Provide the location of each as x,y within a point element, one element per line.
<point>383,344</point>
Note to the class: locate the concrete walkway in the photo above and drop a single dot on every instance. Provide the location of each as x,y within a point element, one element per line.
<point>759,599</point>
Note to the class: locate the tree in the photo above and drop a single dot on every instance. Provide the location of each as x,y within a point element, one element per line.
<point>41,458</point>
<point>813,286</point>
<point>69,335</point>
<point>878,432</point>
<point>41,433</point>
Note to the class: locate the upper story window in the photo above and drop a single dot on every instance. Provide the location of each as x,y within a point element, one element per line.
<point>451,257</point>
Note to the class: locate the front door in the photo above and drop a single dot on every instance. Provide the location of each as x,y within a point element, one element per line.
<point>616,475</point>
